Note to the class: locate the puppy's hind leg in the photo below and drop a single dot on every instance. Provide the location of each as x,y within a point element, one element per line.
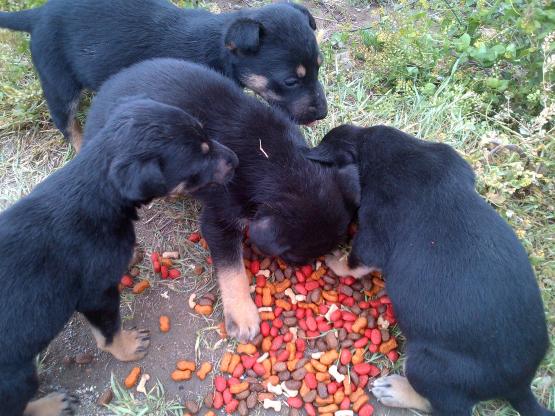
<point>339,264</point>
<point>524,401</point>
<point>104,317</point>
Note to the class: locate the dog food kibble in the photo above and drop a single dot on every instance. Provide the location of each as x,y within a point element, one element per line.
<point>132,377</point>
<point>322,339</point>
<point>204,369</point>
<point>164,323</point>
<point>141,287</point>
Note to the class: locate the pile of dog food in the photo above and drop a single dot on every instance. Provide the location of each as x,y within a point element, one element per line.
<point>322,339</point>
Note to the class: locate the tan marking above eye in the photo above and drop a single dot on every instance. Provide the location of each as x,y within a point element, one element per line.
<point>204,148</point>
<point>256,83</point>
<point>301,71</point>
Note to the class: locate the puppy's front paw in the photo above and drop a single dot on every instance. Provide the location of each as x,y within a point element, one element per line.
<point>242,320</point>
<point>337,262</point>
<point>55,404</point>
<point>396,391</point>
<point>130,345</point>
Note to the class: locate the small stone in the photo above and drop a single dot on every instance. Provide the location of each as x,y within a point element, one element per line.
<point>192,406</point>
<point>198,270</point>
<point>331,340</point>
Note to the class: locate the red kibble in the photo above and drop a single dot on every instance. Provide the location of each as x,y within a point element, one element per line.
<point>362,368</point>
<point>164,272</point>
<point>373,348</point>
<point>385,300</point>
<point>323,326</point>
<point>332,387</point>
<point>299,355</point>
<point>232,406</point>
<point>313,334</point>
<point>361,343</point>
<point>265,328</point>
<point>194,237</point>
<point>274,332</point>
<point>348,326</point>
<point>259,369</point>
<point>220,383</point>
<point>174,274</point>
<point>248,361</point>
<point>227,396</point>
<point>218,400</point>
<point>376,336</point>
<point>309,409</point>
<point>288,337</point>
<point>300,344</point>
<point>155,256</point>
<point>323,309</point>
<point>349,301</point>
<point>283,356</point>
<point>255,267</point>
<point>374,313</point>
<point>276,343</point>
<point>349,316</point>
<point>299,288</point>
<point>233,380</point>
<point>300,313</point>
<point>338,324</point>
<point>310,380</point>
<point>366,410</point>
<point>258,301</point>
<point>313,284</point>
<point>345,404</point>
<point>239,370</point>
<point>363,305</point>
<point>349,280</point>
<point>208,260</point>
<point>301,278</point>
<point>278,311</point>
<point>278,323</point>
<point>302,325</point>
<point>374,371</point>
<point>368,333</point>
<point>127,280</point>
<point>156,267</point>
<point>393,356</point>
<point>260,281</point>
<point>335,316</point>
<point>295,402</point>
<point>311,324</point>
<point>345,357</point>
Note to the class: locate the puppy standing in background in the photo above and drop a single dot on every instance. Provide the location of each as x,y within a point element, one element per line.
<point>461,284</point>
<point>65,246</point>
<point>77,44</point>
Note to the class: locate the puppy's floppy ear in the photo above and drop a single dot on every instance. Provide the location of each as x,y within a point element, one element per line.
<point>138,180</point>
<point>323,153</point>
<point>349,183</point>
<point>305,11</point>
<point>244,36</point>
<point>263,234</point>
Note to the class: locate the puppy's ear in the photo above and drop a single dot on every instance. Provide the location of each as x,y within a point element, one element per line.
<point>244,36</point>
<point>305,11</point>
<point>138,180</point>
<point>324,153</point>
<point>263,233</point>
<point>349,183</point>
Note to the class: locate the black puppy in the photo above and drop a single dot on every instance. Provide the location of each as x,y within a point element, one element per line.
<point>65,246</point>
<point>297,209</point>
<point>78,44</point>
<point>463,290</point>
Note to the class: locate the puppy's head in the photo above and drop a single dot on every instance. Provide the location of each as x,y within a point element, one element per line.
<point>307,218</point>
<point>159,149</point>
<point>338,147</point>
<point>274,52</point>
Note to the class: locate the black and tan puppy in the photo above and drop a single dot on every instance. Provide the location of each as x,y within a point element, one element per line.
<point>78,44</point>
<point>296,209</point>
<point>463,290</point>
<point>65,246</point>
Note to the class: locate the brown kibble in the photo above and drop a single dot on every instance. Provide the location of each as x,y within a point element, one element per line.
<point>385,335</point>
<point>164,323</point>
<point>388,346</point>
<point>132,377</point>
<point>105,398</point>
<point>205,368</point>
<point>138,256</point>
<point>204,301</point>
<point>265,395</point>
<point>243,395</point>
<point>186,365</point>
<point>251,401</point>
<point>284,375</point>
<point>83,358</point>
<point>179,375</point>
<point>322,390</point>
<point>198,270</point>
<point>299,374</point>
<point>141,287</point>
<point>243,409</point>
<point>280,366</point>
<point>293,384</point>
<point>310,396</point>
<point>192,406</point>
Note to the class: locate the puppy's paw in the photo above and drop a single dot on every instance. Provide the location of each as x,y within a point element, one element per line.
<point>242,320</point>
<point>396,391</point>
<point>337,262</point>
<point>129,345</point>
<point>55,404</point>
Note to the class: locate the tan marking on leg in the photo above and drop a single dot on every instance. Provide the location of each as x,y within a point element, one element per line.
<point>127,345</point>
<point>55,404</point>
<point>339,264</point>
<point>301,71</point>
<point>396,391</point>
<point>76,134</point>
<point>241,314</point>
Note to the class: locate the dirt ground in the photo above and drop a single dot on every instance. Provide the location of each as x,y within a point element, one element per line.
<point>164,227</point>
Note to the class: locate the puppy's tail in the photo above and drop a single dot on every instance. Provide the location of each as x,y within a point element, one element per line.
<point>526,404</point>
<point>22,21</point>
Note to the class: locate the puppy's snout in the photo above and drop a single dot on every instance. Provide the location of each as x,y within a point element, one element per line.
<point>320,105</point>
<point>226,163</point>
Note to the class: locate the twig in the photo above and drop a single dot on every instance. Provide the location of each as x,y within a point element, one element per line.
<point>262,150</point>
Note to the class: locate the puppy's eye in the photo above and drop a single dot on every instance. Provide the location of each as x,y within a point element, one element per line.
<point>291,82</point>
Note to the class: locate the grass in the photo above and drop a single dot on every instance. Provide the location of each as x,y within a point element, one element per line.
<point>520,185</point>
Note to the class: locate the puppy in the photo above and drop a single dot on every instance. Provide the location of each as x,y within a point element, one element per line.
<point>297,209</point>
<point>463,290</point>
<point>77,44</point>
<point>65,246</point>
